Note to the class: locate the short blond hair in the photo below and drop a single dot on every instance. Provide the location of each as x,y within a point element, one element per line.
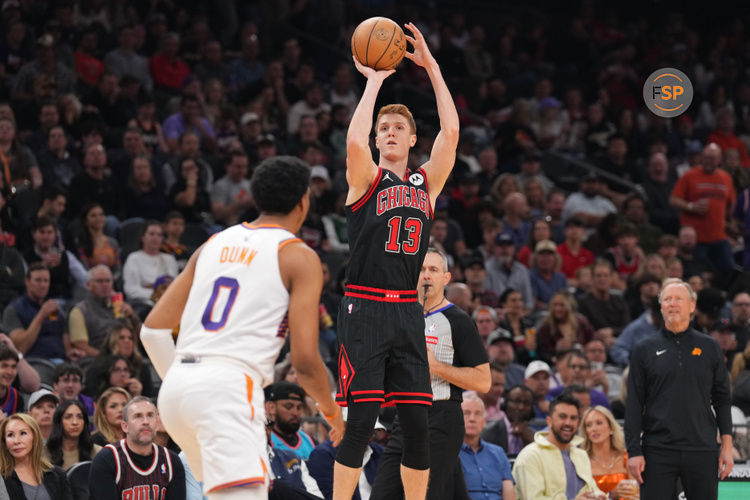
<point>398,109</point>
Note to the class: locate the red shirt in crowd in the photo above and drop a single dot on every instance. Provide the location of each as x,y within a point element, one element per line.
<point>717,187</point>
<point>167,74</point>
<point>571,262</point>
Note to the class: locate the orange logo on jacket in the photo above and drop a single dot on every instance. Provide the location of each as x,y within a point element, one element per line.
<point>697,351</point>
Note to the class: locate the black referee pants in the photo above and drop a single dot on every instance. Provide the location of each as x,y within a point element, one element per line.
<point>698,471</point>
<point>446,425</point>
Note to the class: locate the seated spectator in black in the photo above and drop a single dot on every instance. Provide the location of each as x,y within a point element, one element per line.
<point>291,470</point>
<point>516,321</point>
<point>693,264</point>
<point>492,398</point>
<point>26,468</point>
<point>114,110</point>
<point>68,385</point>
<point>41,407</point>
<point>230,195</point>
<point>544,275</point>
<point>485,465</point>
<point>70,441</point>
<point>474,276</point>
<point>49,117</point>
<point>11,273</point>
<point>536,378</point>
<point>66,271</point>
<point>120,470</point>
<point>22,168</point>
<point>54,201</point>
<point>189,193</point>
<point>658,186</point>
<point>58,166</point>
<point>141,195</point>
<point>741,318</point>
<point>636,213</point>
<point>120,342</point>
<point>723,332</point>
<point>95,247</point>
<point>645,290</point>
<point>93,184</point>
<point>708,309</point>
<point>90,320</point>
<point>579,373</point>
<point>150,128</point>
<point>605,235</point>
<point>321,462</point>
<point>143,267</point>
<point>626,256</point>
<point>284,402</point>
<point>563,327</point>
<point>174,227</point>
<point>112,370</point>
<point>36,324</point>
<point>501,350</point>
<point>108,416</point>
<point>513,431</point>
<point>608,313</point>
<point>121,159</point>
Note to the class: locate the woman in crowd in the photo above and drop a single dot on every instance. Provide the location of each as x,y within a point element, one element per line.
<point>141,197</point>
<point>70,441</point>
<point>539,231</point>
<point>95,247</point>
<point>19,166</point>
<point>519,324</point>
<point>535,197</point>
<point>189,193</point>
<point>108,416</point>
<point>26,471</point>
<point>563,327</point>
<point>604,442</point>
<point>120,343</point>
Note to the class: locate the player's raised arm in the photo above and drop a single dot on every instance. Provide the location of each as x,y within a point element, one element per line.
<point>443,154</point>
<point>360,168</point>
<point>302,274</point>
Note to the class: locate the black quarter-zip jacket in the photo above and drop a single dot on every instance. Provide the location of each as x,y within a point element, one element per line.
<point>673,382</point>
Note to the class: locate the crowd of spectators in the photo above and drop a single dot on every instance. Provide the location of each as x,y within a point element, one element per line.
<point>129,132</point>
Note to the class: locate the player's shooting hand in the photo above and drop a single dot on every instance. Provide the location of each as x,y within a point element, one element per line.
<point>421,55</point>
<point>372,74</point>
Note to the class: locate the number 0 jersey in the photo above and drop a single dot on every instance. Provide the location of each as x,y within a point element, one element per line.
<point>389,232</point>
<point>237,306</point>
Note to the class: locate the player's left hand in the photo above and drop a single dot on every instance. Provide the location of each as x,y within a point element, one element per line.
<point>421,55</point>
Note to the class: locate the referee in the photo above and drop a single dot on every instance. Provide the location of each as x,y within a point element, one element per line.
<point>458,361</point>
<point>676,376</point>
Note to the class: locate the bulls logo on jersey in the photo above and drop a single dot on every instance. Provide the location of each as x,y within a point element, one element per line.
<point>416,179</point>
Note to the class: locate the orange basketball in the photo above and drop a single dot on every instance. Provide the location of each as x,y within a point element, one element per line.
<point>379,43</point>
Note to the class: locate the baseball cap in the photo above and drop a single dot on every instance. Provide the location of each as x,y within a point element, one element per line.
<point>590,176</point>
<point>545,246</point>
<point>249,117</point>
<point>284,390</point>
<point>319,172</point>
<point>267,139</point>
<point>499,334</point>
<point>503,238</point>
<point>46,41</point>
<point>536,367</point>
<point>41,394</point>
<point>472,259</point>
<point>162,280</point>
<point>722,325</point>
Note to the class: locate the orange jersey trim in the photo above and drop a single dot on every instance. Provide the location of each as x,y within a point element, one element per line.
<point>290,240</point>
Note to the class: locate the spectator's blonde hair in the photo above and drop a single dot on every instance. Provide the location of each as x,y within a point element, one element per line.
<point>100,414</point>
<point>39,461</point>
<point>398,109</point>
<point>616,438</point>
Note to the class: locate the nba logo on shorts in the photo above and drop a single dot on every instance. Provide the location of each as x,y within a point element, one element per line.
<point>350,308</point>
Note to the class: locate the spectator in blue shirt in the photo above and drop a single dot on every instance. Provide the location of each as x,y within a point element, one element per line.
<point>643,326</point>
<point>544,276</point>
<point>486,467</point>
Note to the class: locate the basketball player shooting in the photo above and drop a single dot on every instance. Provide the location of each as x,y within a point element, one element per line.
<point>383,357</point>
<point>237,298</point>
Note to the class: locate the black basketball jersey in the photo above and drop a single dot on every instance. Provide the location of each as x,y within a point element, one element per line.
<point>389,231</point>
<point>135,483</point>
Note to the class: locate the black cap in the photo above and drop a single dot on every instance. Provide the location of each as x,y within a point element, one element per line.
<point>723,324</point>
<point>590,176</point>
<point>503,237</point>
<point>498,335</point>
<point>472,259</point>
<point>284,390</point>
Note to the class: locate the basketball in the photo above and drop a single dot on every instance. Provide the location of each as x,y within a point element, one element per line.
<point>379,43</point>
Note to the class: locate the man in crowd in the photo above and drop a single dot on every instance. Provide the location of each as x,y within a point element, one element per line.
<point>538,470</point>
<point>574,255</point>
<point>741,318</point>
<point>500,349</point>
<point>607,313</point>
<point>513,431</point>
<point>15,374</point>
<point>230,195</point>
<point>136,467</point>
<point>41,407</point>
<point>579,372</point>
<point>486,320</point>
<point>68,383</point>
<point>537,378</point>
<point>588,204</point>
<point>90,320</point>
<point>485,465</point>
<point>504,271</point>
<point>284,402</point>
<point>678,397</point>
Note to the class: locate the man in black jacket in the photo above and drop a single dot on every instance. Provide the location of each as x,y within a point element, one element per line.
<point>676,376</point>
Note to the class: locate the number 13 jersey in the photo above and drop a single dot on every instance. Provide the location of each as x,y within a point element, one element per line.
<point>389,231</point>
<point>237,306</point>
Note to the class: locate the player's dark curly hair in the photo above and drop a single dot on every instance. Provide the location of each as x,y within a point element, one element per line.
<point>279,183</point>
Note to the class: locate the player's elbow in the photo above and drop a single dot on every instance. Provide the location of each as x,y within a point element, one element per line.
<point>451,132</point>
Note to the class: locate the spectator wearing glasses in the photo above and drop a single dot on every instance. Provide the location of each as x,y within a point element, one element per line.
<point>68,384</point>
<point>579,372</point>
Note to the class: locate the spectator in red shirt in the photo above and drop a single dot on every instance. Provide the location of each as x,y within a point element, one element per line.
<point>167,69</point>
<point>723,135</point>
<point>574,256</point>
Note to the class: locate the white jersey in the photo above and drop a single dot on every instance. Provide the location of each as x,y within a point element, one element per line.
<point>238,305</point>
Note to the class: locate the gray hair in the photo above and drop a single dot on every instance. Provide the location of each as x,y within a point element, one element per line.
<point>442,257</point>
<point>487,309</point>
<point>137,399</point>
<point>473,396</point>
<point>677,281</point>
<point>90,272</point>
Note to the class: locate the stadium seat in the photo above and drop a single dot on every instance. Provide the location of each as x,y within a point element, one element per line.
<point>45,368</point>
<point>78,477</point>
<point>128,235</point>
